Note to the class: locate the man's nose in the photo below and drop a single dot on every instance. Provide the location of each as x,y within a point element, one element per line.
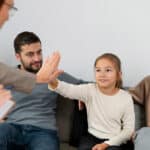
<point>36,57</point>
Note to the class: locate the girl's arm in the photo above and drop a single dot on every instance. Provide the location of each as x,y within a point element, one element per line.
<point>70,90</point>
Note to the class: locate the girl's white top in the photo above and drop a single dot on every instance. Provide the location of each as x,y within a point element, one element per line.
<point>109,117</point>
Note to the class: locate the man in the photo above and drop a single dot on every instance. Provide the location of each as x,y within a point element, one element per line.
<point>32,122</point>
<point>19,79</point>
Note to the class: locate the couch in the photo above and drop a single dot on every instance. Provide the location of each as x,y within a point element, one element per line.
<point>64,115</point>
<point>139,116</point>
<point>64,119</point>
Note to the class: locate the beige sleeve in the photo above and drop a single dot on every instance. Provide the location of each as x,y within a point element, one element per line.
<point>19,80</point>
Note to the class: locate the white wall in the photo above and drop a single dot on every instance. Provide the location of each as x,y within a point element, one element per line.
<point>84,29</point>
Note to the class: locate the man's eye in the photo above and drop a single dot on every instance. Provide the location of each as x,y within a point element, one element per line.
<point>30,55</point>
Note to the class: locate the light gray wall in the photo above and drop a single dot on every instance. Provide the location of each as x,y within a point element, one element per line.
<point>83,29</point>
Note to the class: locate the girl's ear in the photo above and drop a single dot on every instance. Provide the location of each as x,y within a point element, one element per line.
<point>120,74</point>
<point>119,80</point>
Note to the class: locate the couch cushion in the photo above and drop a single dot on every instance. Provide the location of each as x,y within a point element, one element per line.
<point>66,146</point>
<point>64,114</point>
<point>139,116</point>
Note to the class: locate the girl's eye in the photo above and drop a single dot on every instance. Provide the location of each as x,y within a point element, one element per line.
<point>97,70</point>
<point>108,70</point>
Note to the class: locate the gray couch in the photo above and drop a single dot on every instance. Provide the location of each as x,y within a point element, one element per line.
<point>64,118</point>
<point>139,116</point>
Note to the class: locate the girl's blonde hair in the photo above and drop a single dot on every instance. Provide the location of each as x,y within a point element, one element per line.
<point>117,63</point>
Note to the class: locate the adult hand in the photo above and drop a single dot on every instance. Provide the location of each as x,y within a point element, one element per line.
<point>102,146</point>
<point>4,94</point>
<point>49,70</point>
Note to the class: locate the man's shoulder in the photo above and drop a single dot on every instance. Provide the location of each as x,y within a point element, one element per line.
<point>69,78</point>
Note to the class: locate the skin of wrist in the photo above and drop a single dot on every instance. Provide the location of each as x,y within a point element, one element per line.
<point>105,145</point>
<point>53,84</point>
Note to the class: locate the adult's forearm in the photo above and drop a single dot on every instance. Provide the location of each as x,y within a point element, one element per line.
<point>19,80</point>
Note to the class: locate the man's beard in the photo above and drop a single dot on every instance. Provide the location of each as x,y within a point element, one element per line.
<point>30,68</point>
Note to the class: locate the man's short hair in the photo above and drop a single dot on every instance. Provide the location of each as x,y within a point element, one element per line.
<point>24,38</point>
<point>1,3</point>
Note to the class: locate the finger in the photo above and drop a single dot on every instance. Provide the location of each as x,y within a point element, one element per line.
<point>5,95</point>
<point>95,147</point>
<point>56,74</point>
<point>1,86</point>
<point>2,91</point>
<point>51,58</point>
<point>52,62</point>
<point>54,57</point>
<point>56,60</point>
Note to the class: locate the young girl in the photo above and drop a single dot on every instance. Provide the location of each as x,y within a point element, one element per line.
<point>110,110</point>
